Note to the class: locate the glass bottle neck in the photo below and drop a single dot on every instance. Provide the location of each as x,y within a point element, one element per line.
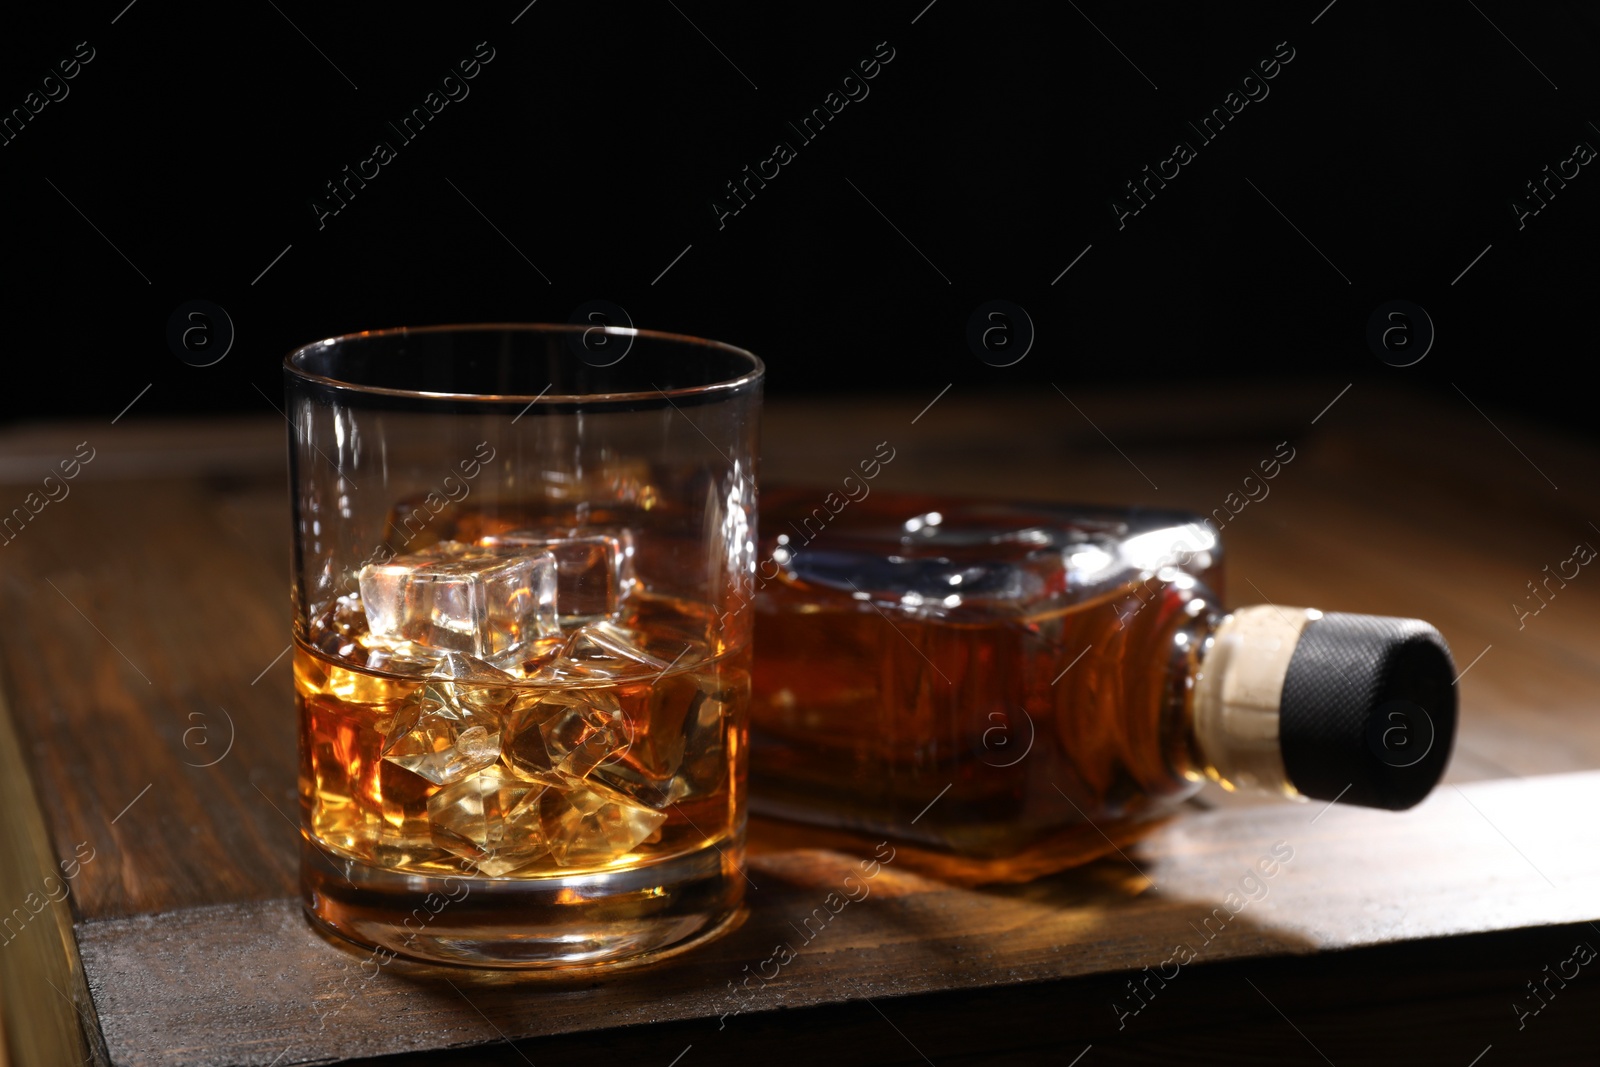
<point>1236,695</point>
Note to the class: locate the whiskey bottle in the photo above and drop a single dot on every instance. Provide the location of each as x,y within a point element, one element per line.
<point>1023,685</point>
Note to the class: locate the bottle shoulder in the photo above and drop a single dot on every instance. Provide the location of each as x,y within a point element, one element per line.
<point>972,559</point>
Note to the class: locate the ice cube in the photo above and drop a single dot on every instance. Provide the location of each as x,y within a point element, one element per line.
<point>451,726</point>
<point>594,567</point>
<point>677,750</point>
<point>492,819</point>
<point>606,650</point>
<point>419,661</point>
<point>568,732</point>
<point>404,819</point>
<point>587,824</point>
<point>455,597</point>
<point>405,658</point>
<point>705,731</point>
<point>466,673</point>
<point>646,770</point>
<point>338,627</point>
<point>530,657</point>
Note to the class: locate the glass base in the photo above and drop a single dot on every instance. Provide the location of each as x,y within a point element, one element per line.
<point>551,923</point>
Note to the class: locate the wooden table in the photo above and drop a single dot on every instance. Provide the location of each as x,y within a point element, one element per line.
<point>146,619</point>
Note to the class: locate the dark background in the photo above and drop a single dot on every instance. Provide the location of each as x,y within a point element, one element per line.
<point>598,136</point>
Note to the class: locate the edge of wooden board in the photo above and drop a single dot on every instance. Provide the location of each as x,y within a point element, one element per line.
<point>50,1017</point>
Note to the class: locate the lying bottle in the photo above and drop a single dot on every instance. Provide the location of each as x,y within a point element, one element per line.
<point>1026,685</point>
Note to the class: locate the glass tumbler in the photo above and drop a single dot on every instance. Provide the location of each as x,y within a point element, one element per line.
<point>523,564</point>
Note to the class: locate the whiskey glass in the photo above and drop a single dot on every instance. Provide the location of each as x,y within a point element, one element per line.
<point>521,584</point>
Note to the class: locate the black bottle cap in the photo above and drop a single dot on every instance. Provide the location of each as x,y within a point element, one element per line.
<point>1368,712</point>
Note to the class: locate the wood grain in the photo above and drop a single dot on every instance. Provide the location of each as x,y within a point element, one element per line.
<point>243,983</point>
<point>42,985</point>
<point>146,613</point>
<point>160,616</point>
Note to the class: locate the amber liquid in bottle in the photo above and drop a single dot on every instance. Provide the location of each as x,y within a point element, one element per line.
<point>1009,684</point>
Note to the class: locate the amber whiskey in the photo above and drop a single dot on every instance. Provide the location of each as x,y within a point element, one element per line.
<point>509,713</point>
<point>1028,683</point>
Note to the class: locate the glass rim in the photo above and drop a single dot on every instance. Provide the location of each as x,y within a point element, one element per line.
<point>752,376</point>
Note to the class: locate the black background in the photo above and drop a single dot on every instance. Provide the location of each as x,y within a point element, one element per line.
<point>598,136</point>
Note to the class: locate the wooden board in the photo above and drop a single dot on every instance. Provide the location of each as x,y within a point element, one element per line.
<point>251,983</point>
<point>147,616</point>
